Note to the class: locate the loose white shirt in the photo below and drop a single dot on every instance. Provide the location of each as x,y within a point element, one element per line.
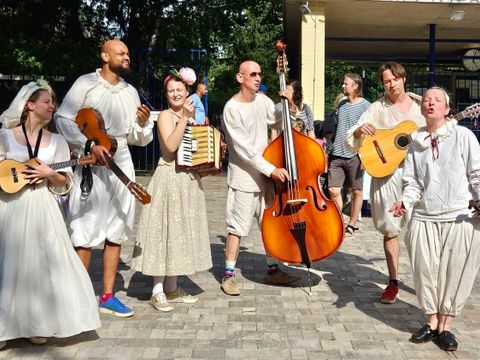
<point>108,211</point>
<point>385,191</point>
<point>246,133</point>
<point>439,189</point>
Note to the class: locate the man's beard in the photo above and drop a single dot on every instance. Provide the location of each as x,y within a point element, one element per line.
<point>121,70</point>
<point>124,71</point>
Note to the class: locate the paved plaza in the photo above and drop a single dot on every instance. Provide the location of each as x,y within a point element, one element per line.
<point>341,319</point>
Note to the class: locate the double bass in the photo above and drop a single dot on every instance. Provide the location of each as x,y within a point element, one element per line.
<point>302,225</point>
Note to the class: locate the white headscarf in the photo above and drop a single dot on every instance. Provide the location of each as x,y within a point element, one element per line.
<point>11,117</point>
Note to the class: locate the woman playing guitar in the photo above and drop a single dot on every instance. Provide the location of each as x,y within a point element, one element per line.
<point>36,250</point>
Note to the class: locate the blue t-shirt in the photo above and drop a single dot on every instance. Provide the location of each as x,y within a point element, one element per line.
<point>199,110</point>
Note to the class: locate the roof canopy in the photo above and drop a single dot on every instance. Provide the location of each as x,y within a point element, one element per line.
<point>379,30</point>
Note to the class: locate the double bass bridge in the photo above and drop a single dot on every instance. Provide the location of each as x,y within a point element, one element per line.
<point>294,202</point>
<point>291,207</point>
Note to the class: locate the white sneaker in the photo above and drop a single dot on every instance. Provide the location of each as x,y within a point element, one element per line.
<point>159,302</point>
<point>38,340</point>
<point>2,344</point>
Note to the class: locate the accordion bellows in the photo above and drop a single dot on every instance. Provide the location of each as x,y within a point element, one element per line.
<point>200,150</point>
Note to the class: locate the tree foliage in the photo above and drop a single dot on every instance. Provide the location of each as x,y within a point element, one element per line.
<point>62,37</point>
<point>334,74</point>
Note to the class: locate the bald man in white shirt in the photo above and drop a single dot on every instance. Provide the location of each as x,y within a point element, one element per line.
<point>246,118</point>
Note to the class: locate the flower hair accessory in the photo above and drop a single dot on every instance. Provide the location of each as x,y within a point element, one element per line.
<point>11,117</point>
<point>187,75</point>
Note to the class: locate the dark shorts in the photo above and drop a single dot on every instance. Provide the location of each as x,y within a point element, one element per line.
<point>341,168</point>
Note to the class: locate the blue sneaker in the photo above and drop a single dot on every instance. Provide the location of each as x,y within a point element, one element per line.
<point>115,307</point>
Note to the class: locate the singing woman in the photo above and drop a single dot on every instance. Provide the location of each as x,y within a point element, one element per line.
<point>442,176</point>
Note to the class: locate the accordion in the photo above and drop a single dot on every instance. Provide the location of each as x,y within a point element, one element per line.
<point>199,150</point>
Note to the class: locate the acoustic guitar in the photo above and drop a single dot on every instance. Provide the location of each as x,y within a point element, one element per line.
<point>137,190</point>
<point>13,180</point>
<point>382,153</point>
<point>92,125</point>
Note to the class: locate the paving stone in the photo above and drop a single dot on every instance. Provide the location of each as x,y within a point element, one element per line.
<point>341,319</point>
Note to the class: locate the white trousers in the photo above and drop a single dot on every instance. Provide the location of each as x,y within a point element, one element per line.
<point>383,194</point>
<point>445,259</point>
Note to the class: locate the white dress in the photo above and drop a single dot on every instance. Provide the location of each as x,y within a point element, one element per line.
<point>44,288</point>
<point>172,237</point>
<point>108,211</point>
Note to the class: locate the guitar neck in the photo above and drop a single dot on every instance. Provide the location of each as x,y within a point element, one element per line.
<point>461,115</point>
<point>64,164</point>
<point>117,171</point>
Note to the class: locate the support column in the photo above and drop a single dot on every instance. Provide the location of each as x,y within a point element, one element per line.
<point>312,58</point>
<point>431,57</point>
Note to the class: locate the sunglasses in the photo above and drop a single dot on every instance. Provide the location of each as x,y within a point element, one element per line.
<point>254,74</point>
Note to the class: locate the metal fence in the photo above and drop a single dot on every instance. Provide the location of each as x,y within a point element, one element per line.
<point>149,68</point>
<point>464,88</point>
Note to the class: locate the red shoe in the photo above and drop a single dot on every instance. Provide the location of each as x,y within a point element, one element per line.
<point>390,294</point>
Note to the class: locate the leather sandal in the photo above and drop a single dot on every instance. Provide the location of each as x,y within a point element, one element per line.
<point>350,229</point>
<point>425,334</point>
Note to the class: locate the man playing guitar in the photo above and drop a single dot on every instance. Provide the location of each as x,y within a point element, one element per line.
<point>106,212</point>
<point>395,106</point>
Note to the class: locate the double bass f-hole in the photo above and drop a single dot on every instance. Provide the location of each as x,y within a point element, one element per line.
<point>316,200</point>
<point>296,205</point>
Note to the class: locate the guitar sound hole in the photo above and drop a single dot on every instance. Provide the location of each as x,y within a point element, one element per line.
<point>402,141</point>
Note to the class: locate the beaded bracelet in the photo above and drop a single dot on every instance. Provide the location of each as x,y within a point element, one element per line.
<point>63,190</point>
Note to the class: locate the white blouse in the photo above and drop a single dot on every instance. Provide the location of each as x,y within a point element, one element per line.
<point>116,103</point>
<point>439,183</point>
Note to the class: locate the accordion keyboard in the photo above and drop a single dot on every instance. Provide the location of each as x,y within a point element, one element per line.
<point>198,147</point>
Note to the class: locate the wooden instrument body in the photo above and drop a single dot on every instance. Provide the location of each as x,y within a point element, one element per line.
<point>382,153</point>
<point>92,125</point>
<point>324,222</point>
<point>12,179</point>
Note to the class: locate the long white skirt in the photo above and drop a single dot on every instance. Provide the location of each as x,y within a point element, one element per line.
<point>445,259</point>
<point>44,288</point>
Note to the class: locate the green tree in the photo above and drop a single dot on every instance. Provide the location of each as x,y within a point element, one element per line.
<point>334,73</point>
<point>62,37</point>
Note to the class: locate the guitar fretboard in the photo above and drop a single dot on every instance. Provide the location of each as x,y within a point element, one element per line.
<point>460,115</point>
<point>471,111</point>
<point>64,164</point>
<point>117,171</point>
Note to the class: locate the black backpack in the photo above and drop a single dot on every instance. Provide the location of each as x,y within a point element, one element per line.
<point>330,124</point>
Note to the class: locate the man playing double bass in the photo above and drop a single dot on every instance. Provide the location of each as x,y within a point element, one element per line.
<point>246,118</point>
